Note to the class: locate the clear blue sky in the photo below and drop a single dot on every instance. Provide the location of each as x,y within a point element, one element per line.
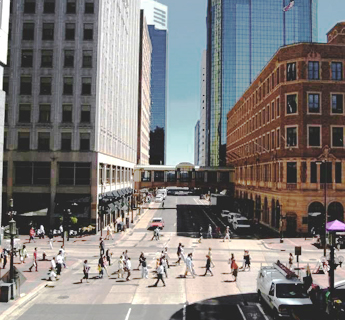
<point>187,40</point>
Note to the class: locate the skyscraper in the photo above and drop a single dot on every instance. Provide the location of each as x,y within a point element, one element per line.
<point>203,130</point>
<point>157,19</point>
<point>197,143</point>
<point>242,36</point>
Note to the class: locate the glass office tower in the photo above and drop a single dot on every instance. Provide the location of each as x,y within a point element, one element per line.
<point>242,36</point>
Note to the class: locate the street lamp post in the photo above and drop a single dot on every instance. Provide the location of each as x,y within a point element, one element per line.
<point>13,232</point>
<point>280,208</point>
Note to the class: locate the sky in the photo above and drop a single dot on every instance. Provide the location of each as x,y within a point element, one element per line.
<point>187,40</point>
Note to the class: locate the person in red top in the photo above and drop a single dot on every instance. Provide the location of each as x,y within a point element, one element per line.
<point>32,235</point>
<point>235,269</point>
<point>34,260</point>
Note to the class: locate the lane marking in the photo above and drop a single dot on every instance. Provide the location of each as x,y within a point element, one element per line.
<point>128,313</point>
<point>239,308</point>
<point>262,311</point>
<point>184,311</point>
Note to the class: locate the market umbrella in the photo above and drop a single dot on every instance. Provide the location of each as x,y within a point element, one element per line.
<point>335,226</point>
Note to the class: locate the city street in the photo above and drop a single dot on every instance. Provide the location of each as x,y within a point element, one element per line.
<point>183,298</point>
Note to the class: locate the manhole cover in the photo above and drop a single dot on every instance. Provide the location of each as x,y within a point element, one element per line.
<point>63,297</point>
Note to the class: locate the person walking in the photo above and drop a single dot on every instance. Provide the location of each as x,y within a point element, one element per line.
<point>144,271</point>
<point>235,269</point>
<point>52,271</point>
<point>210,255</point>
<point>86,270</point>
<point>163,204</point>
<point>51,239</point>
<point>125,255</point>
<point>290,261</point>
<point>208,265</point>
<point>141,258</point>
<point>64,254</point>
<point>107,237</point>
<point>227,234</point>
<point>128,268</point>
<point>200,234</point>
<point>101,266</point>
<point>108,255</point>
<point>59,263</point>
<point>246,260</point>
<point>189,266</point>
<point>34,260</point>
<point>160,271</point>
<point>23,253</point>
<point>209,232</point>
<point>179,251</point>
<point>32,235</point>
<point>163,262</point>
<point>231,262</point>
<point>4,255</point>
<point>101,246</point>
<point>167,258</point>
<point>120,272</point>
<point>105,265</point>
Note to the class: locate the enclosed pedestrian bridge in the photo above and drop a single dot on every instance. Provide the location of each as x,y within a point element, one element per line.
<point>183,175</point>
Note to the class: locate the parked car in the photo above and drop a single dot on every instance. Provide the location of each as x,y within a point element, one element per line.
<point>157,222</point>
<point>232,216</point>
<point>162,192</point>
<point>159,198</point>
<point>241,223</point>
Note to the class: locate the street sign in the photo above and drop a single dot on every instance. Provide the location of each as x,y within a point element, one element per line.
<point>298,251</point>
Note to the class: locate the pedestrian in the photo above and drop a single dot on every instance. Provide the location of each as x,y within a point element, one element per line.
<point>231,262</point>
<point>189,265</point>
<point>105,265</point>
<point>125,255</point>
<point>108,255</point>
<point>179,253</point>
<point>210,255</point>
<point>4,258</point>
<point>23,253</point>
<point>101,246</point>
<point>34,260</point>
<point>42,232</point>
<point>167,258</point>
<point>227,234</point>
<point>247,260</point>
<point>59,263</point>
<point>160,271</point>
<point>86,270</point>
<point>51,239</point>
<point>107,237</point>
<point>128,268</point>
<point>209,233</point>
<point>52,270</point>
<point>63,253</point>
<point>101,266</point>
<point>208,265</point>
<point>218,233</point>
<point>244,259</point>
<point>290,260</point>
<point>144,271</point>
<point>235,269</point>
<point>163,262</point>
<point>155,234</point>
<point>32,235</point>
<point>111,231</point>
<point>120,272</point>
<point>141,258</point>
<point>163,204</point>
<point>200,234</point>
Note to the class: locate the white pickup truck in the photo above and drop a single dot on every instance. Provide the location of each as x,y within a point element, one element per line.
<point>283,292</point>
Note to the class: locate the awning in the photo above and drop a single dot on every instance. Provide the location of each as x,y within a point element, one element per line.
<point>38,213</point>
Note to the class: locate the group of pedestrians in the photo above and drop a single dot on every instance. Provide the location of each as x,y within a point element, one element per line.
<point>56,265</point>
<point>227,233</point>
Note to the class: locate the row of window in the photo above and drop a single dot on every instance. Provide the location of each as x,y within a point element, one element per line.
<point>28,32</point>
<point>44,116</point>
<point>46,85</point>
<point>274,172</point>
<point>271,140</point>
<point>109,173</point>
<point>49,6</point>
<point>185,176</point>
<point>264,116</point>
<point>44,139</point>
<point>47,58</point>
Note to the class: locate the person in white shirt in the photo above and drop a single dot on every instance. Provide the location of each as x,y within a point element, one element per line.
<point>189,266</point>
<point>209,233</point>
<point>160,271</point>
<point>128,267</point>
<point>227,234</point>
<point>121,267</point>
<point>164,264</point>
<point>63,253</point>
<point>52,273</point>
<point>59,262</point>
<point>144,271</point>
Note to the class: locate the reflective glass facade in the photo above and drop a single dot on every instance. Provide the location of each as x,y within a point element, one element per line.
<point>158,95</point>
<point>242,37</point>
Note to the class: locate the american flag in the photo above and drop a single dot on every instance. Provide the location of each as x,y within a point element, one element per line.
<point>288,7</point>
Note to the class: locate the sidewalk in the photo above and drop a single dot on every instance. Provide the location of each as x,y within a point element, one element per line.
<point>289,244</point>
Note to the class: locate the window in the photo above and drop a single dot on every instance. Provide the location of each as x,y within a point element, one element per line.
<point>337,137</point>
<point>291,172</point>
<point>32,173</point>
<point>314,134</point>
<point>291,71</point>
<point>337,71</point>
<point>291,106</point>
<point>145,176</point>
<point>263,116</point>
<point>67,113</point>
<point>67,86</point>
<point>273,140</point>
<point>71,6</point>
<point>326,168</point>
<point>313,172</point>
<point>24,113</point>
<point>85,115</point>
<point>88,31</point>
<point>313,70</point>
<point>66,141</point>
<point>313,103</point>
<point>48,31</point>
<point>89,7</point>
<point>5,84</point>
<point>9,31</point>
<point>87,59</point>
<point>86,86</point>
<point>23,141</point>
<point>46,86</point>
<point>5,142</point>
<point>43,141</point>
<point>6,113</point>
<point>337,103</point>
<point>278,138</point>
<point>69,59</point>
<point>25,85</point>
<point>273,111</point>
<point>8,58</point>
<point>84,141</point>
<point>278,107</point>
<point>29,6</point>
<point>71,173</point>
<point>28,31</point>
<point>27,58</point>
<point>47,58</point>
<point>338,172</point>
<point>49,6</point>
<point>70,31</point>
<point>44,115</point>
<point>291,137</point>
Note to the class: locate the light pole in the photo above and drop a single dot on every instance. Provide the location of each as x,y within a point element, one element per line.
<point>13,232</point>
<point>280,208</point>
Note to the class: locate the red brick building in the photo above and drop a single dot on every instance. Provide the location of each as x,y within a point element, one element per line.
<point>285,137</point>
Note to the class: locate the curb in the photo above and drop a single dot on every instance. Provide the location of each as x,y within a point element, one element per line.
<point>286,249</point>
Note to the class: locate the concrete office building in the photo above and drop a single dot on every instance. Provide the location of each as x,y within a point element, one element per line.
<point>157,20</point>
<point>241,38</point>
<point>4,24</point>
<point>144,100</point>
<point>72,106</point>
<point>196,143</point>
<point>203,129</point>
